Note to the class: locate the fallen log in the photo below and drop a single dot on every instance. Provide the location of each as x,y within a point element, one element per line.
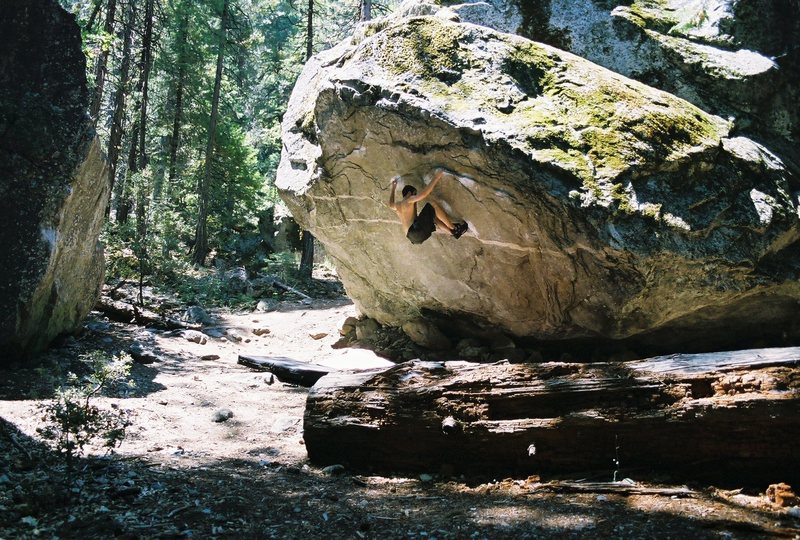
<point>284,287</point>
<point>125,312</point>
<point>286,369</point>
<point>708,415</point>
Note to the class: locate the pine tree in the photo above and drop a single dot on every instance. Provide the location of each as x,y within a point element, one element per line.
<point>200,247</point>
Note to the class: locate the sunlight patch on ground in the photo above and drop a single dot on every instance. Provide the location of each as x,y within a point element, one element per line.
<point>355,359</point>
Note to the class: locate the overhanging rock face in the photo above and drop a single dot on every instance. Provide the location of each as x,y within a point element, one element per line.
<point>598,207</point>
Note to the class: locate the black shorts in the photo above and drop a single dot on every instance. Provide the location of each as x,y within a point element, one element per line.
<point>423,226</point>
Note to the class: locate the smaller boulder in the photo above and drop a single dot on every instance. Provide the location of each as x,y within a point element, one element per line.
<point>426,334</point>
<point>236,280</point>
<point>195,337</point>
<point>366,329</point>
<point>196,314</point>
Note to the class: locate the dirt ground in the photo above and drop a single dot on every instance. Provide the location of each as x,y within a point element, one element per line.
<point>181,474</point>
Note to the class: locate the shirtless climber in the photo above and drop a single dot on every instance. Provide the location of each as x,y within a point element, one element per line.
<point>419,227</point>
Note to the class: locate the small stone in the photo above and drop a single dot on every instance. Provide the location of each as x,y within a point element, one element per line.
<point>266,305</point>
<point>142,354</point>
<point>233,335</point>
<point>319,335</point>
<point>426,334</point>
<point>333,470</point>
<point>348,326</point>
<point>782,495</point>
<point>425,477</point>
<point>195,337</point>
<point>210,357</point>
<point>366,329</point>
<point>261,331</point>
<point>215,332</point>
<point>222,415</point>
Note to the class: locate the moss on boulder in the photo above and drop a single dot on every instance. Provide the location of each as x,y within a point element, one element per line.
<point>596,204</point>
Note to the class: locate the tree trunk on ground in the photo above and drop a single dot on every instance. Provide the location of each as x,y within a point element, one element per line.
<point>126,312</point>
<point>201,233</point>
<point>731,417</point>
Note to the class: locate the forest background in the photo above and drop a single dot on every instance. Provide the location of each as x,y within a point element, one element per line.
<point>187,99</point>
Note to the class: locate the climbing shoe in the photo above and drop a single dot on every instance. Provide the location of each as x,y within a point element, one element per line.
<point>459,229</point>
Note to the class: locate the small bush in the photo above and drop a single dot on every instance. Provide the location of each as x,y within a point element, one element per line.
<point>73,420</point>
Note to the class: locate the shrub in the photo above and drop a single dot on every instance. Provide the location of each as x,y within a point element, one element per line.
<point>73,420</point>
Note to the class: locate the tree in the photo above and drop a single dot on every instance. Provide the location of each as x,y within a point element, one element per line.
<point>102,62</point>
<point>178,90</point>
<point>120,95</point>
<point>307,254</point>
<point>194,92</point>
<point>201,233</point>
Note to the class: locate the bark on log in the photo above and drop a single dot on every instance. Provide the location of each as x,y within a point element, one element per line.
<point>721,416</point>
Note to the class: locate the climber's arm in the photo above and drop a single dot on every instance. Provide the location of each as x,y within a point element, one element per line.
<point>428,189</point>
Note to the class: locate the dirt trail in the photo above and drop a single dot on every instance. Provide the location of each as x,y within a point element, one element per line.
<point>180,474</point>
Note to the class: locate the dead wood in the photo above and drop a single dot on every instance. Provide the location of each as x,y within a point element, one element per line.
<point>619,488</point>
<point>279,285</point>
<point>720,415</point>
<point>286,369</point>
<point>126,312</point>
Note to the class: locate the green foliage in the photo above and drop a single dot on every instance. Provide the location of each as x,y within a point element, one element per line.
<point>73,420</point>
<point>209,288</point>
<point>264,53</point>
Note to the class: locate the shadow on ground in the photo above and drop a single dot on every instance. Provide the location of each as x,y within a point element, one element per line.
<point>137,498</point>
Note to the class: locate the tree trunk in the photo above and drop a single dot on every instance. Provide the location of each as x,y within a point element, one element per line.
<point>366,10</point>
<point>95,11</point>
<point>137,157</point>
<point>310,30</point>
<point>307,246</point>
<point>721,416</point>
<point>180,82</point>
<point>102,63</point>
<point>307,255</point>
<point>122,193</point>
<point>201,234</point>
<point>146,64</point>
<point>121,94</point>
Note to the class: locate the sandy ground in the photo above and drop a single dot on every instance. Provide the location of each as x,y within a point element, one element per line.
<point>180,474</point>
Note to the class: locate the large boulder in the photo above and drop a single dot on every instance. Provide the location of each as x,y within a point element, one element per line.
<point>734,58</point>
<point>53,180</point>
<point>599,208</point>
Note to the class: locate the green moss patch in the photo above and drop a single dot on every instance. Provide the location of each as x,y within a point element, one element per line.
<point>426,47</point>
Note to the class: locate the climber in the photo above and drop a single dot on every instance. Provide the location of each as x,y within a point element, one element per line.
<point>419,227</point>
